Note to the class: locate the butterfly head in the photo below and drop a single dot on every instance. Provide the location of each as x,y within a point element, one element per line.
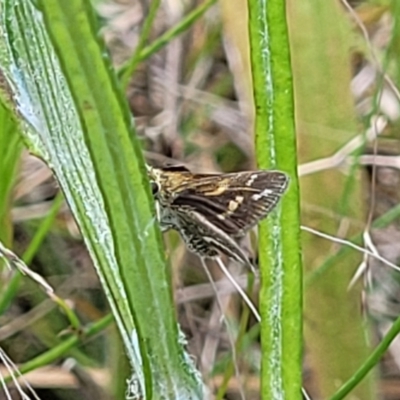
<point>164,181</point>
<point>155,176</point>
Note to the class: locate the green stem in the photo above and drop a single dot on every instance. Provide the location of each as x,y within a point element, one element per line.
<point>131,64</point>
<point>124,72</point>
<point>369,363</point>
<point>12,287</point>
<point>279,238</point>
<point>58,351</point>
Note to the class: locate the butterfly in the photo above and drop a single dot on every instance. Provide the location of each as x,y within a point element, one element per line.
<point>213,211</point>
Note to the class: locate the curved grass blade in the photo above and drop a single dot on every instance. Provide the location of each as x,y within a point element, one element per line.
<point>74,117</point>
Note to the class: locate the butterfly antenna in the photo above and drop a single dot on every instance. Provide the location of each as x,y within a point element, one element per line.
<point>242,293</point>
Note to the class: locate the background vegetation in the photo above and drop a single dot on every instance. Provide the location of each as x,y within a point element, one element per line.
<point>186,69</point>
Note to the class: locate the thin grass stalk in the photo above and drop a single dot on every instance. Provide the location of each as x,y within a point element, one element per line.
<point>371,362</point>
<point>10,151</point>
<point>63,348</point>
<point>10,291</point>
<point>125,71</point>
<point>132,64</point>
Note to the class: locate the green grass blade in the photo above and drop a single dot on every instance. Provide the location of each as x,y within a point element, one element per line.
<point>134,61</point>
<point>126,70</point>
<point>371,362</point>
<point>63,348</point>
<point>78,122</point>
<point>10,150</point>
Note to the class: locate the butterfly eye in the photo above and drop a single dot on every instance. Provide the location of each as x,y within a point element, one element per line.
<point>154,188</point>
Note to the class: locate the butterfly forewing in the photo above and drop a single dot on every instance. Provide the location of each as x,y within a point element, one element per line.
<point>212,210</point>
<point>233,202</point>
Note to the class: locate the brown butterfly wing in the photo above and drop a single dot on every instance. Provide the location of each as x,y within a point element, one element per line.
<point>234,203</point>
